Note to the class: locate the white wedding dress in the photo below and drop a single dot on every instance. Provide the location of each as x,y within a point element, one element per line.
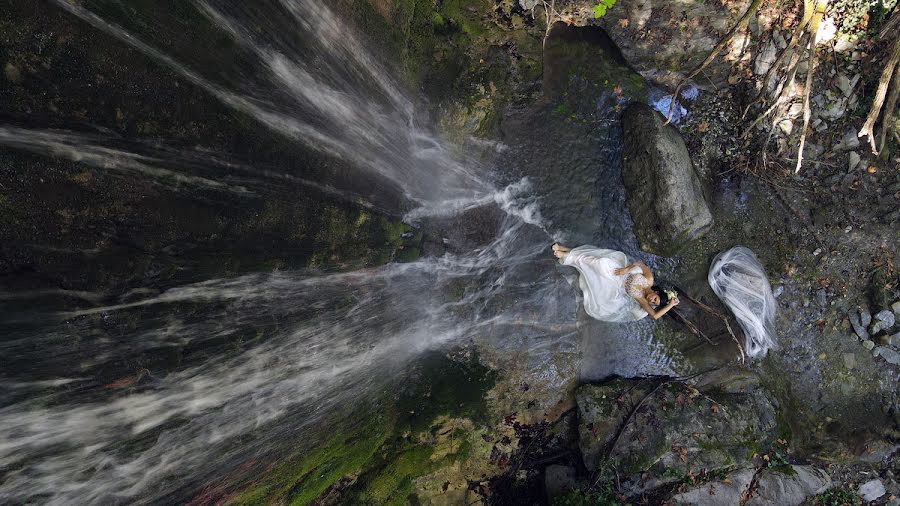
<point>605,295</point>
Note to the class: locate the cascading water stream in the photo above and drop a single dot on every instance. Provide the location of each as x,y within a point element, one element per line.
<point>314,343</point>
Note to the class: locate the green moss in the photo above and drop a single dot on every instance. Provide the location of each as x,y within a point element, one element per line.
<point>408,255</point>
<point>393,482</point>
<point>303,477</point>
<point>449,388</point>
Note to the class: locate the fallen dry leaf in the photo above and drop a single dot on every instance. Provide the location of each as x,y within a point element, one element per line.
<point>702,126</point>
<point>623,23</point>
<point>617,89</point>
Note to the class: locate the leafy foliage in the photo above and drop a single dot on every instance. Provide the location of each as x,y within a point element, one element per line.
<point>605,497</point>
<point>836,497</point>
<point>601,8</point>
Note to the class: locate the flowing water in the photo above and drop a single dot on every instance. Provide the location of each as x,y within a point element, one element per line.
<point>312,344</point>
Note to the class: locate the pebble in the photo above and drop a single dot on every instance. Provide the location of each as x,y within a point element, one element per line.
<point>817,252</point>
<point>843,83</point>
<point>854,159</point>
<point>848,142</point>
<point>888,354</point>
<point>895,307</point>
<point>850,360</point>
<point>871,490</point>
<point>822,298</point>
<point>886,316</point>
<point>858,328</point>
<point>868,344</point>
<point>778,291</point>
<point>865,316</point>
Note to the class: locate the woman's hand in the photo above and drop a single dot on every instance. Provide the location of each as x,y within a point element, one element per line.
<point>674,302</point>
<point>622,271</point>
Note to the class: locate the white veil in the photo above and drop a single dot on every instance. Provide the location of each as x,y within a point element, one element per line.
<point>738,278</point>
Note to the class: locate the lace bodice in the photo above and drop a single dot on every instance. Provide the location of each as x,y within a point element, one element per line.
<point>635,284</point>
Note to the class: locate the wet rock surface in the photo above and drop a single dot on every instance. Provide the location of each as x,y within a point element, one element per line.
<point>665,195</point>
<point>673,427</point>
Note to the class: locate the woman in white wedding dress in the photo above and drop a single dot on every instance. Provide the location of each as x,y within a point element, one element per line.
<point>614,290</point>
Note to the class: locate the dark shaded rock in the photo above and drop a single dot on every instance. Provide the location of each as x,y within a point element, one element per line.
<point>558,480</point>
<point>788,487</point>
<point>677,428</point>
<point>664,194</point>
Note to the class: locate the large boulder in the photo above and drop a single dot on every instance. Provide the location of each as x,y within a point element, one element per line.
<point>785,486</point>
<point>663,40</point>
<point>677,430</point>
<point>664,193</point>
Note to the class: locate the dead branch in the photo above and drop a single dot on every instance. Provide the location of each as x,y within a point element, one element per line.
<point>820,6</point>
<point>884,81</point>
<point>890,110</point>
<point>724,42</point>
<point>720,315</point>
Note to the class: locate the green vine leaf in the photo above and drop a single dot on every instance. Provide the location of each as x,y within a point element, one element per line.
<point>601,8</point>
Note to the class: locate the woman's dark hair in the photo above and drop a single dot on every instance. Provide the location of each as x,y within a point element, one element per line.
<point>661,290</point>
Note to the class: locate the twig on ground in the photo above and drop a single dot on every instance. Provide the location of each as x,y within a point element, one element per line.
<point>884,82</point>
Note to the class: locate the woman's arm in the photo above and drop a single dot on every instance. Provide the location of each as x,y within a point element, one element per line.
<point>656,315</point>
<point>637,263</point>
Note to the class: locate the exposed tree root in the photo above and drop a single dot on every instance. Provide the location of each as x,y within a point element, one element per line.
<point>889,112</point>
<point>782,90</point>
<point>722,44</point>
<point>798,36</point>
<point>810,72</point>
<point>884,82</point>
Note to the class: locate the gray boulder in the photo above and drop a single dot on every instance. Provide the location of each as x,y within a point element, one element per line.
<point>664,193</point>
<point>677,430</point>
<point>871,490</point>
<point>727,492</point>
<point>788,487</point>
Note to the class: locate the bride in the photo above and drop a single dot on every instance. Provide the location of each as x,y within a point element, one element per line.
<point>614,290</point>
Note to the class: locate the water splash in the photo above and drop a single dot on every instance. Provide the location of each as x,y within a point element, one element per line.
<point>318,100</point>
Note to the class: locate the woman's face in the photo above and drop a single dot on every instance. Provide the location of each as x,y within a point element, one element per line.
<point>653,298</point>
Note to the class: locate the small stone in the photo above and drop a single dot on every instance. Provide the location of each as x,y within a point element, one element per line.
<point>843,83</point>
<point>12,72</point>
<point>786,126</point>
<point>895,307</point>
<point>848,142</point>
<point>858,327</point>
<point>765,59</point>
<point>865,317</point>
<point>778,291</point>
<point>871,490</point>
<point>854,159</point>
<point>888,354</point>
<point>817,252</point>
<point>822,297</point>
<point>887,317</point>
<point>868,344</point>
<point>850,360</point>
